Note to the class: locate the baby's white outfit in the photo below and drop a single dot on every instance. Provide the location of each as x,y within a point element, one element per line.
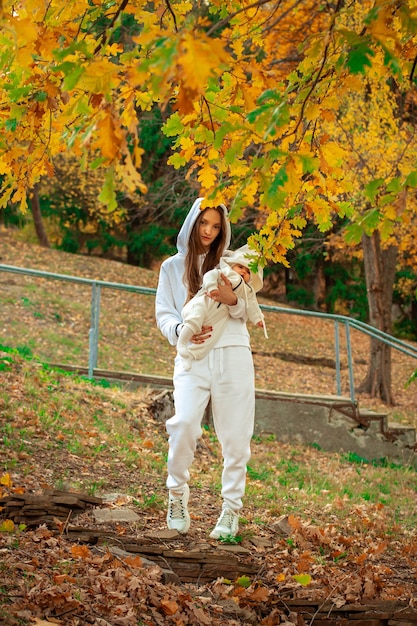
<point>202,310</point>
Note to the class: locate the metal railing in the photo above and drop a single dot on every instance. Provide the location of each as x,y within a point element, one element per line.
<point>347,322</point>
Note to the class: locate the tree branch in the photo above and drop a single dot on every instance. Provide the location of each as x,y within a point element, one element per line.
<point>103,38</point>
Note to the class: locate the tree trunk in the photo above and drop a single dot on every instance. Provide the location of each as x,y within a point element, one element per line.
<point>37,218</point>
<point>380,275</point>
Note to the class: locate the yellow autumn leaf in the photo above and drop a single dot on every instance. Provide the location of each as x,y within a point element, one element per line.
<point>5,479</point>
<point>26,31</point>
<point>108,137</point>
<point>333,153</point>
<point>207,176</point>
<point>200,58</point>
<point>4,167</point>
<point>312,111</point>
<point>99,77</point>
<point>249,191</point>
<point>238,168</point>
<point>381,29</point>
<point>187,147</point>
<point>237,46</point>
<point>390,212</point>
<point>213,154</point>
<point>7,526</point>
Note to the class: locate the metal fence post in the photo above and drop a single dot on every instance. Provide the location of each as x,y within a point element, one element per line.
<point>93,333</point>
<point>337,355</point>
<point>350,364</point>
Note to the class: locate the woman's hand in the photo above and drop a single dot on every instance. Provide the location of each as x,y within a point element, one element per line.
<point>202,335</point>
<point>224,292</point>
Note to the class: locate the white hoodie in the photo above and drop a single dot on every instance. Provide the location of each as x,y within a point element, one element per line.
<point>171,293</point>
<point>202,310</point>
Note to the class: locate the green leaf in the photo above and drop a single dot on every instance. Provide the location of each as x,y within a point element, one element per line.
<point>253,115</point>
<point>244,581</point>
<point>309,163</point>
<point>394,185</point>
<point>353,233</point>
<point>232,152</point>
<point>372,189</point>
<point>75,46</point>
<point>276,199</point>
<point>370,220</point>
<point>388,198</point>
<point>269,94</point>
<point>303,579</point>
<point>279,180</point>
<point>225,128</point>
<point>173,126</point>
<point>72,79</point>
<point>41,96</point>
<point>386,229</point>
<point>107,195</point>
<point>11,125</point>
<point>392,62</point>
<point>98,162</point>
<point>359,57</point>
<point>18,93</point>
<point>345,209</point>
<point>177,161</point>
<point>411,180</point>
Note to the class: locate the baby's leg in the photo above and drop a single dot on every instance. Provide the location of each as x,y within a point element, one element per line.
<point>184,337</point>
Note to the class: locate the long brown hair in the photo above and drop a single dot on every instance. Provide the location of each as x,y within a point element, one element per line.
<point>193,274</point>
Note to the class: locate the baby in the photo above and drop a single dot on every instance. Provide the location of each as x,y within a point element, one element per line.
<point>203,311</point>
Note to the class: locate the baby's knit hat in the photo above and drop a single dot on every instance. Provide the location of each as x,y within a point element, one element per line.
<point>244,256</point>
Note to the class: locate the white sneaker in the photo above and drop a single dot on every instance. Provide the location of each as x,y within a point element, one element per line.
<point>227,525</point>
<point>178,517</point>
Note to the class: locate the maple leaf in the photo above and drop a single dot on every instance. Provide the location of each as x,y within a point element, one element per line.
<point>359,57</point>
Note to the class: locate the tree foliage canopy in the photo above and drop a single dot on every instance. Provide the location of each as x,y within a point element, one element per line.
<point>266,103</point>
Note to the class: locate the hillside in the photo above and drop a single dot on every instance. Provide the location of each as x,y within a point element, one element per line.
<point>51,319</point>
<point>321,535</point>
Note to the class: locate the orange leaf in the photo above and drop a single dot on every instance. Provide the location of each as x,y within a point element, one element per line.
<point>259,595</point>
<point>63,578</point>
<point>81,552</point>
<point>294,522</point>
<point>133,561</point>
<point>361,558</point>
<point>169,607</point>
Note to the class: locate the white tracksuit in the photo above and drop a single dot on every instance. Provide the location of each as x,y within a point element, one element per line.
<point>225,375</point>
<point>202,310</point>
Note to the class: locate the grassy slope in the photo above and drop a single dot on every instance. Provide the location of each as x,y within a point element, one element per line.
<point>51,320</point>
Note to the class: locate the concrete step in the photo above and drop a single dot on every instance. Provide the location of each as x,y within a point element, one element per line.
<point>332,423</point>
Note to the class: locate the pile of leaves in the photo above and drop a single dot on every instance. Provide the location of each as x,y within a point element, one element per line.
<point>60,430</point>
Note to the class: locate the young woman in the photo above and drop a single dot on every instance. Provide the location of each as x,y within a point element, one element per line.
<point>225,374</point>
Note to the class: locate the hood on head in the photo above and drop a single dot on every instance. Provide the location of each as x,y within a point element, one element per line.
<point>244,256</point>
<point>185,230</point>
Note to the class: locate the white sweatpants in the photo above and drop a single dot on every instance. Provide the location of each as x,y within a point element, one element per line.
<point>227,376</point>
